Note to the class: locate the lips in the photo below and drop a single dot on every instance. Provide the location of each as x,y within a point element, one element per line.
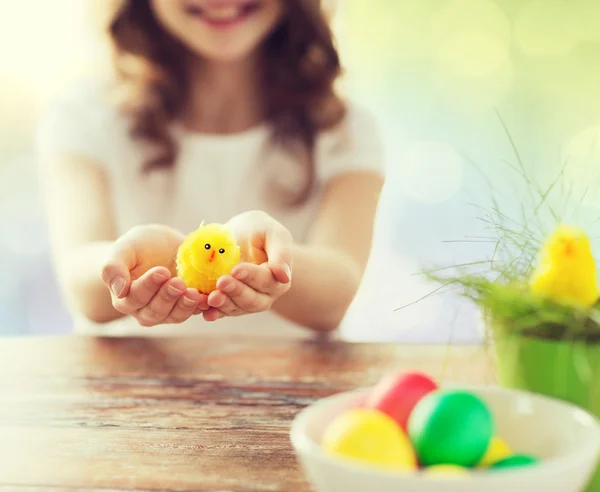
<point>218,12</point>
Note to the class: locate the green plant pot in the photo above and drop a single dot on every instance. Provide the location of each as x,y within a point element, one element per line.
<point>561,369</point>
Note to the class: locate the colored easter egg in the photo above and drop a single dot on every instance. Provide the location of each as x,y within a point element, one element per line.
<point>514,461</point>
<point>370,436</point>
<point>451,427</point>
<point>497,450</point>
<point>446,471</point>
<point>397,394</point>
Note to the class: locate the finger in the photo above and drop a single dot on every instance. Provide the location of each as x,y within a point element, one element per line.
<point>223,303</point>
<point>279,246</point>
<point>160,306</point>
<point>258,277</point>
<point>239,295</point>
<point>203,302</point>
<point>212,314</point>
<point>185,307</point>
<point>145,288</point>
<point>115,272</point>
<point>257,254</point>
<point>247,250</point>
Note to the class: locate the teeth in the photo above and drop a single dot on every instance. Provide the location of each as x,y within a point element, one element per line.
<point>224,13</point>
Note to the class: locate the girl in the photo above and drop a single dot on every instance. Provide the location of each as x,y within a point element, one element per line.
<point>222,111</point>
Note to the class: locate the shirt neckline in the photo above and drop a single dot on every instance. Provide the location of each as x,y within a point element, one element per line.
<point>255,131</point>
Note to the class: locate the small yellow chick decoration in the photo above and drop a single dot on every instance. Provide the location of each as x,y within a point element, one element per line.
<point>566,272</point>
<point>206,254</point>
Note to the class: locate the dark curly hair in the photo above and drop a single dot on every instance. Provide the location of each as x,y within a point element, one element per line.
<point>300,67</point>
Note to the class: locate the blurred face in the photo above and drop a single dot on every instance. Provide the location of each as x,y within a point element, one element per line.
<point>219,30</point>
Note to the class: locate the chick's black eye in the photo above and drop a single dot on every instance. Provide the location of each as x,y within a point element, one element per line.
<point>207,246</point>
<point>221,251</point>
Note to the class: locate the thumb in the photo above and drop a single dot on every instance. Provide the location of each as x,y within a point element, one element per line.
<point>279,246</point>
<point>116,270</point>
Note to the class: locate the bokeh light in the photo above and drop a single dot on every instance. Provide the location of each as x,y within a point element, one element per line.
<point>471,39</point>
<point>380,304</point>
<point>456,16</point>
<point>18,117</point>
<point>396,33</point>
<point>429,172</point>
<point>393,43</point>
<point>547,28</point>
<point>587,13</point>
<point>25,236</point>
<point>581,154</point>
<point>472,53</point>
<point>474,95</point>
<point>48,43</point>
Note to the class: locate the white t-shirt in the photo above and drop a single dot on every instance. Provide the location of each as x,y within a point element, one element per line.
<point>215,177</point>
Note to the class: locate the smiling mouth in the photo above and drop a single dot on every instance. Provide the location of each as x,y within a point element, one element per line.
<point>225,15</point>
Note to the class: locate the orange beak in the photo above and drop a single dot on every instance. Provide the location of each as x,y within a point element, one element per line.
<point>569,248</point>
<point>212,256</point>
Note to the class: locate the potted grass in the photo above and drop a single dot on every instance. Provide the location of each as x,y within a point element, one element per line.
<point>539,297</point>
<point>544,322</point>
<point>545,331</point>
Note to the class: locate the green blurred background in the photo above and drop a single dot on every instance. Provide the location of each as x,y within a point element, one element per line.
<point>439,74</point>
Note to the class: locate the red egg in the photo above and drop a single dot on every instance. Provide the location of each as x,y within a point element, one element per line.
<point>397,394</point>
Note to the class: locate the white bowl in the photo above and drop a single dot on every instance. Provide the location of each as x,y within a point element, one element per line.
<point>566,438</point>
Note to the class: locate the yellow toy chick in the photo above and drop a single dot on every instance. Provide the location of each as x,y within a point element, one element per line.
<point>205,255</point>
<point>566,271</point>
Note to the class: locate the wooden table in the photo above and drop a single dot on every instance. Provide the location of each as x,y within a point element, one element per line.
<point>203,414</point>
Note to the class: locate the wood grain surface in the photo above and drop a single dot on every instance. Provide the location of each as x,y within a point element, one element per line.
<point>202,414</point>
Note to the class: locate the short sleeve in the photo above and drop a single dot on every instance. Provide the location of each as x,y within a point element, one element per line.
<point>78,122</point>
<point>354,145</point>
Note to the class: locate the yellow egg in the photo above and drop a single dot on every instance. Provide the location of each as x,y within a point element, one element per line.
<point>450,471</point>
<point>497,450</point>
<point>370,436</point>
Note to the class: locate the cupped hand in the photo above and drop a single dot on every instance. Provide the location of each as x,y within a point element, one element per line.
<point>265,274</point>
<point>140,274</point>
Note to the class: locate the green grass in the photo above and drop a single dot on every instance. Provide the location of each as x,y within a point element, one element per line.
<point>512,306</point>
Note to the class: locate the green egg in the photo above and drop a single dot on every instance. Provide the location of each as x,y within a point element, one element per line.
<point>515,460</point>
<point>451,427</point>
